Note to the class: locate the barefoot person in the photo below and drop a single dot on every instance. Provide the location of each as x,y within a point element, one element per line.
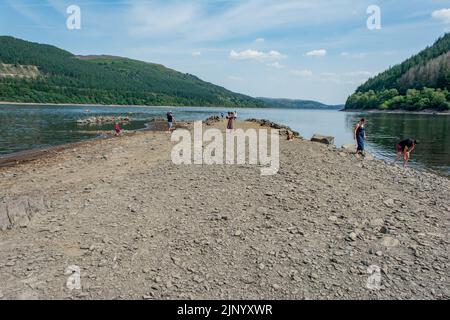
<point>360,136</point>
<point>170,120</point>
<point>404,148</point>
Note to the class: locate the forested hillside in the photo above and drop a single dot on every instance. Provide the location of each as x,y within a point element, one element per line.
<point>421,82</point>
<point>62,77</point>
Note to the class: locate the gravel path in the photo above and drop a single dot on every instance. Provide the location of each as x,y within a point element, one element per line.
<point>328,226</point>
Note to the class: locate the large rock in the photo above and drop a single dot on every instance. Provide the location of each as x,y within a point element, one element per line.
<point>323,139</point>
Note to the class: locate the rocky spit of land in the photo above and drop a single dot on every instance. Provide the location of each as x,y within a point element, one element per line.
<point>103,120</point>
<point>115,219</point>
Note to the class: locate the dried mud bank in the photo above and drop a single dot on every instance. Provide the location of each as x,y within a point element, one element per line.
<point>327,226</point>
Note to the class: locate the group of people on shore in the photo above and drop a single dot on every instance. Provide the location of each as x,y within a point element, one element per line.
<point>231,117</point>
<point>404,148</point>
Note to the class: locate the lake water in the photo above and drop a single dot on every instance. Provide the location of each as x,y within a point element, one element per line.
<point>28,127</point>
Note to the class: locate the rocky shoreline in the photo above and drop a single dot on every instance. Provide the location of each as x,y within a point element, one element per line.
<point>329,225</point>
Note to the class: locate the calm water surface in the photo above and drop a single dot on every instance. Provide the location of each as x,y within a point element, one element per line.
<point>27,127</point>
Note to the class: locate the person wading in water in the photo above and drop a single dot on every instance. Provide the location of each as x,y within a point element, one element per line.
<point>360,136</point>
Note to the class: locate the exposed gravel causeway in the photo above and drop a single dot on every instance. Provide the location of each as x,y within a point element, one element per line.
<point>327,226</point>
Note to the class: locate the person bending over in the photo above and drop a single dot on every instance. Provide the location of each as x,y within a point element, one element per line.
<point>404,148</point>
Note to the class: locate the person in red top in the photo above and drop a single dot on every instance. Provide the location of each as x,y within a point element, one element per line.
<point>117,129</point>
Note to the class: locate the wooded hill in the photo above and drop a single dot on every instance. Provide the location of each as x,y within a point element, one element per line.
<point>421,82</point>
<point>61,77</point>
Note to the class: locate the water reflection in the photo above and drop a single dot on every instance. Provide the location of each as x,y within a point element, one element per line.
<point>386,130</point>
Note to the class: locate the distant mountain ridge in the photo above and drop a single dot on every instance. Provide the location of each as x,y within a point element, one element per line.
<point>298,104</point>
<point>40,73</point>
<point>422,82</point>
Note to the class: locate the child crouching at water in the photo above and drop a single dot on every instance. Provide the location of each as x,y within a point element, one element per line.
<point>117,129</point>
<point>404,148</point>
<point>290,136</point>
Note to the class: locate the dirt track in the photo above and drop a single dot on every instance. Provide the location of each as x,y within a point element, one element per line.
<point>140,227</point>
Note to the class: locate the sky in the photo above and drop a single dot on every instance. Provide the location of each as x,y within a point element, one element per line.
<point>300,49</point>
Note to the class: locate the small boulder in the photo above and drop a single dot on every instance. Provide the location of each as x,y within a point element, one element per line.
<point>389,203</point>
<point>352,237</point>
<point>323,139</point>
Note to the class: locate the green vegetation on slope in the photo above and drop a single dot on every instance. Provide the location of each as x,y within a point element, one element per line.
<point>421,82</point>
<point>66,78</point>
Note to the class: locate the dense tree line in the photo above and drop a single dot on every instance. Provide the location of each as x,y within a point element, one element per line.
<point>413,100</point>
<point>421,82</point>
<point>66,78</point>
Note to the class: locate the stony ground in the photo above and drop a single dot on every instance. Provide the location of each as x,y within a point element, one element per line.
<point>139,227</point>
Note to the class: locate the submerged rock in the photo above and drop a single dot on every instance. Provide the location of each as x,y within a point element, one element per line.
<point>101,120</point>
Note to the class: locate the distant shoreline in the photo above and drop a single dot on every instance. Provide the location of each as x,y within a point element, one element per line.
<point>423,112</point>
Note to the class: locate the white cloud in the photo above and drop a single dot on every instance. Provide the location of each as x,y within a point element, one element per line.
<point>196,21</point>
<point>442,15</point>
<point>260,40</point>
<point>257,55</point>
<point>196,54</point>
<point>317,53</point>
<point>302,73</point>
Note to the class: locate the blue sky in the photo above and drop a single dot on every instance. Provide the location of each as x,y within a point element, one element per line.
<point>306,49</point>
